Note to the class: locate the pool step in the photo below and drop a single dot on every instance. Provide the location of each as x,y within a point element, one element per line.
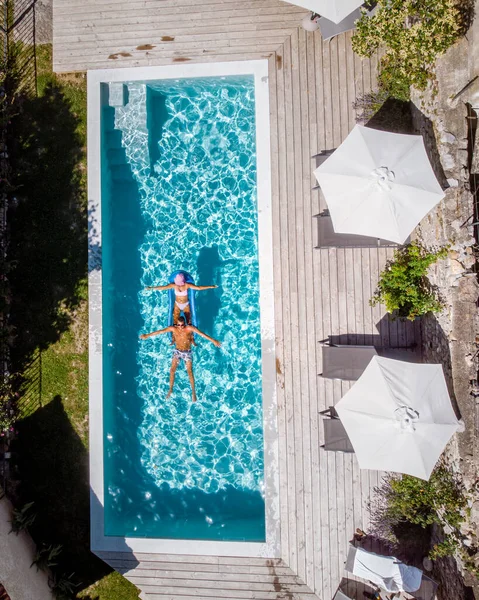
<point>121,172</point>
<point>113,138</point>
<point>116,156</point>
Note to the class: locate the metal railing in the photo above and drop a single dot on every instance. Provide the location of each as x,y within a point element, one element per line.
<point>17,33</point>
<point>18,69</point>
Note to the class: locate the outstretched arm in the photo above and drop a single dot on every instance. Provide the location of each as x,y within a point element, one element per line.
<point>144,336</point>
<point>201,287</point>
<point>207,337</point>
<point>160,287</point>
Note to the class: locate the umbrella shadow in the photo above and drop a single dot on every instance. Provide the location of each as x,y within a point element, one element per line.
<point>394,116</point>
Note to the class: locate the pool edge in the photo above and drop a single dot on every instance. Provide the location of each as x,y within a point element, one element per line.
<point>100,542</point>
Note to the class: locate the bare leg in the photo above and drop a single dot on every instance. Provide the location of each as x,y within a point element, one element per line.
<point>174,365</point>
<point>187,313</point>
<point>189,368</point>
<point>176,313</point>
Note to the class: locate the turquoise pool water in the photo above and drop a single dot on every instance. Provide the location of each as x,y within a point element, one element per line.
<point>179,192</point>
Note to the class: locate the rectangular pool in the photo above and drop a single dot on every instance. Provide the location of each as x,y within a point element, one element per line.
<point>181,180</point>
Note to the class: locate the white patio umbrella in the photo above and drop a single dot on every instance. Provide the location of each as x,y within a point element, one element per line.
<point>334,10</point>
<point>379,184</point>
<point>398,416</point>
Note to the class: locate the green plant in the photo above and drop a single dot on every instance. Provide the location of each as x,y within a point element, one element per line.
<point>8,395</point>
<point>403,286</point>
<point>414,33</point>
<point>407,501</point>
<point>23,518</point>
<point>445,548</point>
<point>367,105</point>
<point>439,500</point>
<point>62,585</point>
<point>46,557</point>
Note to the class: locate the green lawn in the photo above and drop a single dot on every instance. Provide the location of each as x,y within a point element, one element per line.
<point>50,313</point>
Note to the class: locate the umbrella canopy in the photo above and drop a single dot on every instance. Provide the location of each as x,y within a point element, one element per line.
<point>398,416</point>
<point>388,572</point>
<point>379,184</point>
<point>334,10</point>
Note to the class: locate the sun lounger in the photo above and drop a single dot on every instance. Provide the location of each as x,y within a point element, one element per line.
<point>339,595</point>
<point>348,362</point>
<point>328,238</point>
<point>335,437</point>
<point>428,589</point>
<point>329,29</point>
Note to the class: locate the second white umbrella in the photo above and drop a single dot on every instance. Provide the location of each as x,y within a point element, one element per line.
<point>398,416</point>
<point>379,184</point>
<point>334,10</point>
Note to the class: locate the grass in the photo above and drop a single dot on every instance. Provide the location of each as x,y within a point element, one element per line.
<point>50,313</point>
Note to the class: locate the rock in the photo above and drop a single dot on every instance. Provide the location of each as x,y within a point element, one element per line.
<point>448,138</point>
<point>448,161</point>
<point>456,267</point>
<point>427,563</point>
<point>453,182</point>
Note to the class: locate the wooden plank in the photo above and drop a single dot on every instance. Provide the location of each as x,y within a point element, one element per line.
<point>308,130</point>
<point>325,465</point>
<point>96,44</point>
<point>344,109</point>
<point>313,546</point>
<point>193,576</point>
<point>320,110</point>
<point>204,585</point>
<point>358,295</point>
<point>327,99</point>
<point>350,69</point>
<point>365,297</point>
<point>290,305</point>
<point>299,315</point>
<point>279,184</point>
<point>105,11</point>
<point>80,66</point>
<point>173,592</point>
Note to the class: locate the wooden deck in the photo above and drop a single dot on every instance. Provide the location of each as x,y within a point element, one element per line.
<point>318,293</point>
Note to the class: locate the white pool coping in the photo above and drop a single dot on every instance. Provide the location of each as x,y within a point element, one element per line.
<point>100,542</point>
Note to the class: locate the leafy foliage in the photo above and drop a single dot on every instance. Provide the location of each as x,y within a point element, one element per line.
<point>439,500</point>
<point>414,33</point>
<point>403,286</point>
<point>62,586</point>
<point>46,557</point>
<point>405,500</point>
<point>23,518</point>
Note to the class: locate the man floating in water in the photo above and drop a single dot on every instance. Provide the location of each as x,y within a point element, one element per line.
<point>182,339</point>
<point>181,288</point>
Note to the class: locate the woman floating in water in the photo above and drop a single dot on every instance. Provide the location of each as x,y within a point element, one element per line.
<point>181,288</point>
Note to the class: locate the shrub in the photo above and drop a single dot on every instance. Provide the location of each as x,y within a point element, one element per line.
<point>405,500</point>
<point>8,402</point>
<point>414,33</point>
<point>439,500</point>
<point>23,518</point>
<point>403,286</point>
<point>46,557</point>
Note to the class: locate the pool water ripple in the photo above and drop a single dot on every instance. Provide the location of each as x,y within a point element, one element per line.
<point>198,199</point>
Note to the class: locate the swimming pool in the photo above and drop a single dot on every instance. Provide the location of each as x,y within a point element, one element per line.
<point>180,188</point>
